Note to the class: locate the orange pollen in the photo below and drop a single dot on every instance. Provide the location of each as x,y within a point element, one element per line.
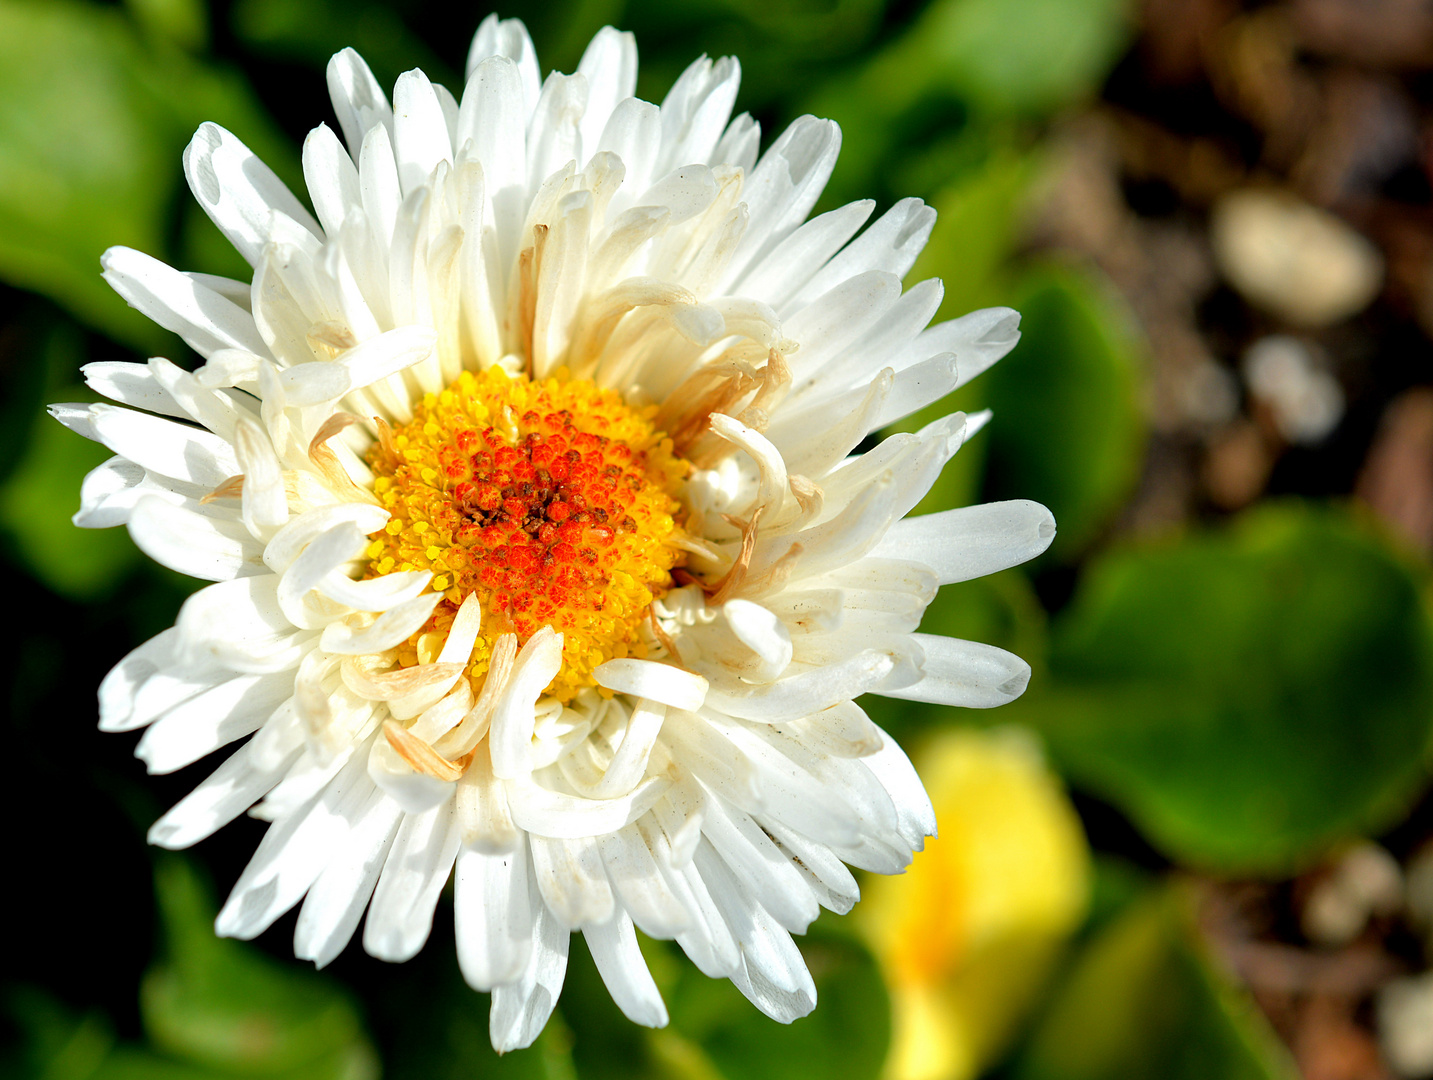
<point>554,502</point>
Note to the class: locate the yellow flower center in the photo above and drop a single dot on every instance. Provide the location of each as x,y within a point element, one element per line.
<point>553,501</point>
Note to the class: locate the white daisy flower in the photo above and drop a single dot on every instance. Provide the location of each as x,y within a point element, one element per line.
<point>526,469</point>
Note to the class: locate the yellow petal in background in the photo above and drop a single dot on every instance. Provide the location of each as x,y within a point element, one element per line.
<point>968,935</point>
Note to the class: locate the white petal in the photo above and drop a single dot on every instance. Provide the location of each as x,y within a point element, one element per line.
<point>696,109</point>
<point>629,763</point>
<point>332,179</point>
<point>891,244</point>
<point>570,877</point>
<point>619,961</point>
<point>633,133</point>
<point>414,792</point>
<point>510,738</point>
<point>239,192</point>
<point>240,625</point>
<point>417,868</point>
<point>292,854</point>
<point>131,384</point>
<point>291,540</point>
<point>340,545</point>
<point>834,885</point>
<point>915,815</point>
<point>165,447</point>
<point>761,632</point>
<point>206,321</point>
<point>388,354</point>
<point>110,492</point>
<point>420,131</point>
<point>785,185</point>
<point>771,965</point>
<point>482,808</point>
<point>964,673</point>
<point>739,144</point>
<point>552,136</point>
<point>357,98</point>
<point>212,719</point>
<point>810,691</point>
<point>507,38</point>
<point>778,276</point>
<point>978,339</point>
<point>520,1009</point>
<point>230,790</point>
<point>609,64</point>
<point>971,541</point>
<point>335,902</point>
<point>666,683</point>
<point>763,870</point>
<point>118,689</point>
<point>641,885</point>
<point>917,386</point>
<point>265,506</point>
<point>493,917</point>
<point>570,817</point>
<point>389,630</point>
<point>193,544</point>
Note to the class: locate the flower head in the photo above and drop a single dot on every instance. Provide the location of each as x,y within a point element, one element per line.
<point>526,471</point>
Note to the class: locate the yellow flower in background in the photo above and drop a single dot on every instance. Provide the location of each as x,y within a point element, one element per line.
<point>967,936</point>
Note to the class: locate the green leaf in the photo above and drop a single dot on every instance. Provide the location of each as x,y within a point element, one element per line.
<point>36,503</point>
<point>41,491</point>
<point>430,1025</point>
<point>1025,56</point>
<point>1143,1002</point>
<point>133,1063</point>
<point>51,1043</point>
<point>311,32</point>
<point>845,1038</point>
<point>223,1005</point>
<point>90,144</point>
<point>977,228</point>
<point>1068,430</point>
<point>960,72</point>
<point>185,23</point>
<point>716,1034</point>
<point>1249,697</point>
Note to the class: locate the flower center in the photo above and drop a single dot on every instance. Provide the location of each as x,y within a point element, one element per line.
<point>553,501</point>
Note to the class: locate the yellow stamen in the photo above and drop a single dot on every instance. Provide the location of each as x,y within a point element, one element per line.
<point>553,501</point>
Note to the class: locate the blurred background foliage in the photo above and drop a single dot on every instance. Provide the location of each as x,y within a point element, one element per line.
<point>1200,846</point>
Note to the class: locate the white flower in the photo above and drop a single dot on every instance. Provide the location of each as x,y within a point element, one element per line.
<point>526,474</point>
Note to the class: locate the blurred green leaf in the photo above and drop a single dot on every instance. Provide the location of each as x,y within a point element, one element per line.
<point>1114,884</point>
<point>1069,429</point>
<point>134,1063</point>
<point>845,1038</point>
<point>41,491</point>
<point>716,1034</point>
<point>977,229</point>
<point>55,1044</point>
<point>1023,56</point>
<point>36,504</point>
<point>184,23</point>
<point>310,33</point>
<point>49,1041</point>
<point>223,1005</point>
<point>90,144</point>
<point>961,70</point>
<point>1143,1002</point>
<point>430,1025</point>
<point>1248,697</point>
